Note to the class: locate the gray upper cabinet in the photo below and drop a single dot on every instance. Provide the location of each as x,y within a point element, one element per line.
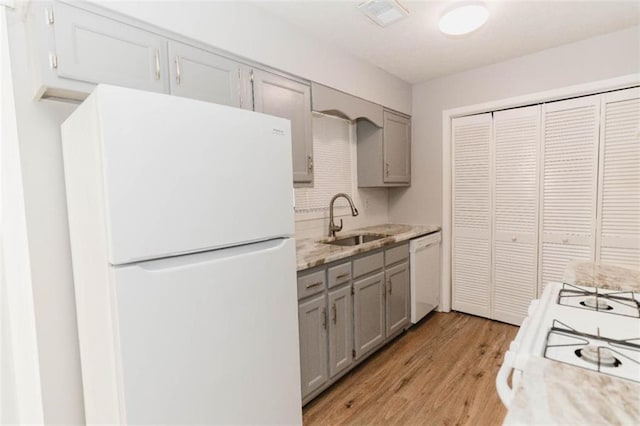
<point>95,49</point>
<point>397,148</point>
<point>384,154</point>
<point>199,74</point>
<point>398,293</point>
<point>369,318</point>
<point>285,98</point>
<point>312,317</point>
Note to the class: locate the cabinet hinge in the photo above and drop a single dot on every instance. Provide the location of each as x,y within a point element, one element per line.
<point>353,353</point>
<point>50,17</point>
<point>53,60</point>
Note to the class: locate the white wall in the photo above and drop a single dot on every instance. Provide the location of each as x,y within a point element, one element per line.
<point>598,58</point>
<point>235,27</point>
<point>21,399</point>
<point>245,30</point>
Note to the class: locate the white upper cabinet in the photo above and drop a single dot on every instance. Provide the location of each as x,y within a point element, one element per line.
<point>619,185</point>
<point>569,180</point>
<point>515,218</point>
<point>199,74</point>
<point>96,49</point>
<point>471,254</point>
<point>286,98</point>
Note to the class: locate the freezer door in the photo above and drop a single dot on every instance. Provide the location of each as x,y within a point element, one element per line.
<point>211,337</point>
<point>169,175</point>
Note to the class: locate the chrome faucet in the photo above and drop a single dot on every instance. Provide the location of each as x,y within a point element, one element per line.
<point>333,228</point>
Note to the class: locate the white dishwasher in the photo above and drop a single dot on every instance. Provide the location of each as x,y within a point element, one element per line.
<point>425,274</point>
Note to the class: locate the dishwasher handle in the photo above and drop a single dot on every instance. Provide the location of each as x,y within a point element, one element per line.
<point>425,241</point>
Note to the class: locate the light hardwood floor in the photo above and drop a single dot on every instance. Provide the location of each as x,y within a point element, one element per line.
<point>440,372</point>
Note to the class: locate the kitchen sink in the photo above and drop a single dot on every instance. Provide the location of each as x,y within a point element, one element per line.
<point>355,240</point>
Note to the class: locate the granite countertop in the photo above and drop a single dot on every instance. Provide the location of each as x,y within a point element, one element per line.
<point>553,393</point>
<point>602,275</point>
<point>311,252</point>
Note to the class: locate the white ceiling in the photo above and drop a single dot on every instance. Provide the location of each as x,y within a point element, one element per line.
<point>414,50</point>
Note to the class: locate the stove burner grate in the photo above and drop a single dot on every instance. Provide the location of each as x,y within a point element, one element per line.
<point>618,358</point>
<point>612,302</point>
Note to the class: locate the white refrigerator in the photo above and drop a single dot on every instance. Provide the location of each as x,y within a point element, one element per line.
<point>181,223</point>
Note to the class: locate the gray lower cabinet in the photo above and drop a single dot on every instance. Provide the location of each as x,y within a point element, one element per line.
<point>286,98</point>
<point>199,74</point>
<point>96,49</point>
<point>369,318</point>
<point>312,317</point>
<point>398,294</point>
<point>340,330</point>
<point>347,310</point>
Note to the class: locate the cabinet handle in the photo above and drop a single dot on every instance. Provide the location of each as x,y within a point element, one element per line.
<point>344,275</point>
<point>334,313</point>
<point>310,163</point>
<point>386,167</point>
<point>390,287</point>
<point>565,240</point>
<point>308,286</point>
<point>178,71</point>
<point>157,64</point>
<point>514,238</point>
<point>324,318</point>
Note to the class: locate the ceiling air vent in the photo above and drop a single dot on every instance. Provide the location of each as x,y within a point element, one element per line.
<point>383,12</point>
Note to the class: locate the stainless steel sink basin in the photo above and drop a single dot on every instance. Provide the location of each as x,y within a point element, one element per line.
<point>355,240</point>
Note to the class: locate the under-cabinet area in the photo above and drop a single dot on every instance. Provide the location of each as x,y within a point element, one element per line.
<point>347,310</point>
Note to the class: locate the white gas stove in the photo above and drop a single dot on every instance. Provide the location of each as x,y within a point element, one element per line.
<point>590,328</point>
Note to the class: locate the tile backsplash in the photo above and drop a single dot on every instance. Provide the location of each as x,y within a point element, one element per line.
<point>335,170</point>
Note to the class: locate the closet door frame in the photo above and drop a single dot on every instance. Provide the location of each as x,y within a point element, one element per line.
<point>623,82</point>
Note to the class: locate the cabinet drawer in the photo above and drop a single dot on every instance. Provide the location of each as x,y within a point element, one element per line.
<point>396,254</point>
<point>312,283</point>
<point>339,274</point>
<point>367,264</point>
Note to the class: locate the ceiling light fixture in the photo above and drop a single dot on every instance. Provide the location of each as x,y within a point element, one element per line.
<point>463,18</point>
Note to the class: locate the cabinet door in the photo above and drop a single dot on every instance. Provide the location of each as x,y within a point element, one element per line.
<point>198,74</point>
<point>96,49</point>
<point>569,180</point>
<point>471,254</point>
<point>619,192</point>
<point>340,330</point>
<point>312,317</point>
<point>515,219</point>
<point>397,148</point>
<point>369,322</point>
<point>279,96</point>
<point>397,300</point>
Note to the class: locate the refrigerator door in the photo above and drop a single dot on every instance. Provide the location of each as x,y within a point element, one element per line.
<point>168,175</point>
<point>211,337</point>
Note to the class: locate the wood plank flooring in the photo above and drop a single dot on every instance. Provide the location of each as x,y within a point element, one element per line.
<point>440,372</point>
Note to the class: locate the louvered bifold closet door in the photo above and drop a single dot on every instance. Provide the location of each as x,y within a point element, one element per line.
<point>569,179</point>
<point>471,254</point>
<point>516,145</point>
<point>619,183</point>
